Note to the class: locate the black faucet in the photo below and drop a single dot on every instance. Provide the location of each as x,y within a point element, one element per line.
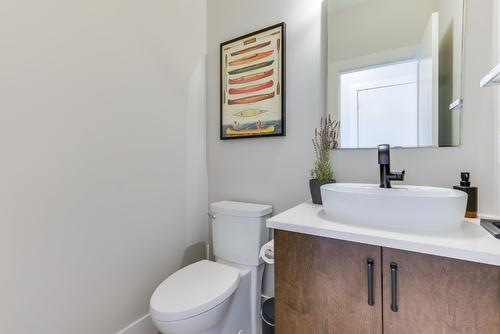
<point>384,160</point>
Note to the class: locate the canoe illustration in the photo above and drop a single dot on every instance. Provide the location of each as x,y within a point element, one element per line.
<point>251,89</point>
<point>251,67</point>
<point>251,99</point>
<point>250,49</point>
<point>250,132</point>
<point>250,113</point>
<point>251,58</point>
<point>251,77</point>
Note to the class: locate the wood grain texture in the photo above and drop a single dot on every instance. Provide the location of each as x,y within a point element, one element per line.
<point>441,295</point>
<point>321,286</point>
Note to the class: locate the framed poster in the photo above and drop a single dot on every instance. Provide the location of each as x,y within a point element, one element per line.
<point>252,84</point>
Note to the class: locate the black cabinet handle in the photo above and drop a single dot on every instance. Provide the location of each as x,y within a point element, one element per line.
<point>370,263</point>
<point>394,286</point>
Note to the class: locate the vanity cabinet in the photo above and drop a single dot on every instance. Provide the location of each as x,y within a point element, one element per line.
<point>321,285</point>
<point>329,286</point>
<point>439,295</point>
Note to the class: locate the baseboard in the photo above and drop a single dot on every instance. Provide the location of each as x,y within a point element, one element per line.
<point>143,325</point>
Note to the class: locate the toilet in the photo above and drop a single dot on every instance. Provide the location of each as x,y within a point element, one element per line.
<point>221,297</point>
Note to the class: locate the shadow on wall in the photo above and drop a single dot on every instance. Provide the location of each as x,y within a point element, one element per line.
<point>196,181</point>
<point>194,253</point>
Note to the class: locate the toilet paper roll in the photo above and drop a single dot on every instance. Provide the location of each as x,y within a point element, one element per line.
<point>267,252</point>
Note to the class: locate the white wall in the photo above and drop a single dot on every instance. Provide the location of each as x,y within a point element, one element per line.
<point>271,170</point>
<point>276,171</point>
<point>101,158</point>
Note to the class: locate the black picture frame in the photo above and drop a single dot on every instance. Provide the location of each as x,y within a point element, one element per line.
<point>279,87</point>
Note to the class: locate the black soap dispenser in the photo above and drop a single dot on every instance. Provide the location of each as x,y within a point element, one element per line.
<point>471,211</point>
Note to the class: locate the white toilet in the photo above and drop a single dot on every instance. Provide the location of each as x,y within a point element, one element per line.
<point>221,297</point>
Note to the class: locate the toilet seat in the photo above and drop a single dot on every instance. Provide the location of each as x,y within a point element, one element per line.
<point>193,290</point>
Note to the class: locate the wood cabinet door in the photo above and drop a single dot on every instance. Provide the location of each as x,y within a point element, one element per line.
<point>439,295</point>
<point>321,286</point>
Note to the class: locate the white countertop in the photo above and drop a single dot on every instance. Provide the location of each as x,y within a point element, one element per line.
<point>471,242</point>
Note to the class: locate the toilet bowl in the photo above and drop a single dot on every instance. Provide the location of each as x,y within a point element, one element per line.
<point>195,298</point>
<point>221,297</point>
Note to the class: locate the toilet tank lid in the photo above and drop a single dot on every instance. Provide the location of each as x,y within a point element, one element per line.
<point>240,209</point>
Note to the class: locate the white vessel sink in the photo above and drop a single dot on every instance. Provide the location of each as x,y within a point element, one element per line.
<point>421,209</point>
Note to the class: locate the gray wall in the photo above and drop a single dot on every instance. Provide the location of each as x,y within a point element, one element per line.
<point>102,182</point>
<point>276,170</point>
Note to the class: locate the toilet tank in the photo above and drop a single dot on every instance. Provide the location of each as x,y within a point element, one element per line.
<point>239,231</point>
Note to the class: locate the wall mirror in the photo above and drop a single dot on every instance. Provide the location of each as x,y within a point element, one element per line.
<point>395,71</point>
